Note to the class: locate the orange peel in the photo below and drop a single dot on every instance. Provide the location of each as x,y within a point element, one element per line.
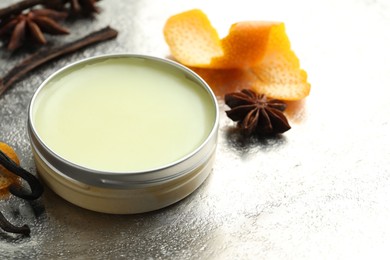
<point>192,39</point>
<point>6,177</point>
<point>255,54</point>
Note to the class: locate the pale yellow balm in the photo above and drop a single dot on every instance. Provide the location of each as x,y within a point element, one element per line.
<point>123,115</point>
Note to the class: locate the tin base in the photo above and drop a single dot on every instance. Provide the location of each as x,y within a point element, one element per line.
<point>122,201</point>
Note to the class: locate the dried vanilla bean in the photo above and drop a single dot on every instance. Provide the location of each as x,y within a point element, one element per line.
<point>44,55</point>
<point>9,227</point>
<point>19,7</point>
<point>36,190</point>
<point>35,185</point>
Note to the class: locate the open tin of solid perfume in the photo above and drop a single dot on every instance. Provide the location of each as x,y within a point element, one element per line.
<point>123,133</point>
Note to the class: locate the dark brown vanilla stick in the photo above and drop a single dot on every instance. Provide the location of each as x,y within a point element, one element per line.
<point>19,7</point>
<point>44,55</point>
<point>36,188</point>
<point>8,227</point>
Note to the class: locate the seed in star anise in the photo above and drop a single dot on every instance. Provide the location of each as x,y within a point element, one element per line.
<point>32,26</point>
<point>255,114</point>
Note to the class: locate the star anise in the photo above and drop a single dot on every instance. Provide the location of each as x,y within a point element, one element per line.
<point>83,7</point>
<point>32,24</point>
<point>256,114</point>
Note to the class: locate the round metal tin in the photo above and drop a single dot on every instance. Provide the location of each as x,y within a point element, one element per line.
<point>133,191</point>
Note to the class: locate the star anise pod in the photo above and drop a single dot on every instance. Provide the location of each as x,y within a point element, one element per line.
<point>32,24</point>
<point>256,114</point>
<point>83,7</point>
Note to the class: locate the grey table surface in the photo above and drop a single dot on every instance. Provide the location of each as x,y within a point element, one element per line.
<point>320,191</point>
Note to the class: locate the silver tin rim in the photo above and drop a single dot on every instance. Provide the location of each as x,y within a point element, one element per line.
<point>132,178</point>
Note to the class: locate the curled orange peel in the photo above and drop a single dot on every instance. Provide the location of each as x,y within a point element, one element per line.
<point>255,54</point>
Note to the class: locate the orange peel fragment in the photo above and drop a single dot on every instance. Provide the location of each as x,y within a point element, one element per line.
<point>192,39</point>
<point>255,54</point>
<point>6,177</point>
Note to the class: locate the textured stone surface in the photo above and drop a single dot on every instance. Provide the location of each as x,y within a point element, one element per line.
<point>322,190</point>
